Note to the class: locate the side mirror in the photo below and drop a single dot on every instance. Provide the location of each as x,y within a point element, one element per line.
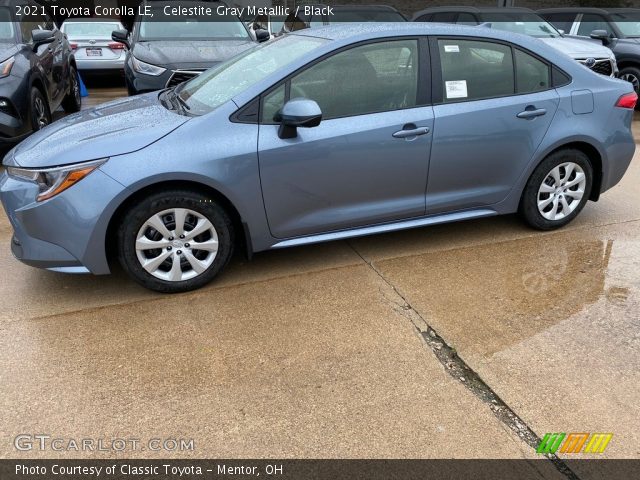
<point>121,36</point>
<point>298,112</point>
<point>41,37</point>
<point>262,35</point>
<point>601,35</point>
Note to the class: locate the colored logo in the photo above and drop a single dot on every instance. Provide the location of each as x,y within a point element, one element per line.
<point>574,442</point>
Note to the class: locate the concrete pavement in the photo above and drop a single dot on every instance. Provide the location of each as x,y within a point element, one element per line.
<point>316,351</point>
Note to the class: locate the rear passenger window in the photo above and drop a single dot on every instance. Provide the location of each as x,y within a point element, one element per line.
<point>532,75</point>
<point>473,70</point>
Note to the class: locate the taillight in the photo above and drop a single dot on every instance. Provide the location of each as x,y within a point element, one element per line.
<point>628,100</point>
<point>116,46</point>
<point>74,46</point>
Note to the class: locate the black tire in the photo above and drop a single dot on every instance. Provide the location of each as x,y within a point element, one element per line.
<point>73,101</point>
<point>632,75</point>
<point>39,110</point>
<point>529,202</point>
<point>137,216</point>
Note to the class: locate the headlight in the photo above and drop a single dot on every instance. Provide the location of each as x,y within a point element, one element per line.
<point>5,67</point>
<point>52,181</point>
<point>146,68</point>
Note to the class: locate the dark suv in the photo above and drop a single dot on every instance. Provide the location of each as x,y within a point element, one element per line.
<point>37,71</point>
<point>165,52</point>
<point>618,28</point>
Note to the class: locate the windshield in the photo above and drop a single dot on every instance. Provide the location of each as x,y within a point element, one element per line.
<point>6,25</point>
<point>90,29</point>
<point>361,15</point>
<point>524,23</point>
<point>203,28</point>
<point>220,84</point>
<point>628,23</point>
<point>276,23</point>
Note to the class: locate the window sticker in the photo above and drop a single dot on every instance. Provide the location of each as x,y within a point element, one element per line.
<point>452,49</point>
<point>456,89</point>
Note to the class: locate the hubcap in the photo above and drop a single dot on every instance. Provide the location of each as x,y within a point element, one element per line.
<point>41,112</point>
<point>176,244</point>
<point>632,79</point>
<point>561,191</point>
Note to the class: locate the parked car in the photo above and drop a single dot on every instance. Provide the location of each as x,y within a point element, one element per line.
<point>37,72</point>
<point>94,50</point>
<point>297,20</point>
<point>593,55</point>
<point>166,53</point>
<point>324,134</point>
<point>617,28</point>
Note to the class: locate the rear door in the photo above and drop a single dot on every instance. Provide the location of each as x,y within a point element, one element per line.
<point>493,105</point>
<point>367,161</point>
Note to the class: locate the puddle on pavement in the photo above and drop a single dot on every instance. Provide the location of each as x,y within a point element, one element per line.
<point>488,298</point>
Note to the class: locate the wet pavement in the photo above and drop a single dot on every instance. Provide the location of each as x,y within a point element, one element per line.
<point>317,351</point>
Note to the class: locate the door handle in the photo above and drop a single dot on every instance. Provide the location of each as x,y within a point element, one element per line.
<point>411,131</point>
<point>532,112</point>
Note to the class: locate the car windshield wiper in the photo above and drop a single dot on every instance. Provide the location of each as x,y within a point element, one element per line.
<point>175,102</point>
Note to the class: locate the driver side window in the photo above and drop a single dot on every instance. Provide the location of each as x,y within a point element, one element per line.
<point>370,78</point>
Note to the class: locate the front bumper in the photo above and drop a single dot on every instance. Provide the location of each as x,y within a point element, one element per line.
<point>58,233</point>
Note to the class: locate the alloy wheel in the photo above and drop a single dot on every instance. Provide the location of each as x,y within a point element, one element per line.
<point>632,79</point>
<point>75,86</point>
<point>561,191</point>
<point>176,244</point>
<point>41,112</point>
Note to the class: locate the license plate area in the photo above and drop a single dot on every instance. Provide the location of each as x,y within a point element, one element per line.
<point>94,52</point>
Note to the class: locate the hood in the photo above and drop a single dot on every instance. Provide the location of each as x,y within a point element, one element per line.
<point>114,128</point>
<point>7,50</point>
<point>189,53</point>
<point>577,48</point>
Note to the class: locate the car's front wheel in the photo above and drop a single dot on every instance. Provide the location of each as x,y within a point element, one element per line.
<point>557,190</point>
<point>175,241</point>
<point>40,114</point>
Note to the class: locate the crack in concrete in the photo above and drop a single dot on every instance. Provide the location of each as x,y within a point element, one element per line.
<point>463,373</point>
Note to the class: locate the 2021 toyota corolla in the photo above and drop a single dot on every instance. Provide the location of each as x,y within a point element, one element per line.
<point>324,134</point>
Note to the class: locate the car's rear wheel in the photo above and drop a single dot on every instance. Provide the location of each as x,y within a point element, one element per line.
<point>73,101</point>
<point>557,190</point>
<point>40,114</point>
<point>175,241</point>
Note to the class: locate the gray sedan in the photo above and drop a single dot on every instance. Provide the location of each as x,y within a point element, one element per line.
<point>325,134</point>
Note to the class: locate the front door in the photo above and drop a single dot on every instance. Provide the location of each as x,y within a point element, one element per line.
<point>367,162</point>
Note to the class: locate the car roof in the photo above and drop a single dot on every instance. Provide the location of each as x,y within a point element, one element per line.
<point>379,8</point>
<point>601,11</point>
<point>346,31</point>
<point>462,8</point>
<point>92,20</point>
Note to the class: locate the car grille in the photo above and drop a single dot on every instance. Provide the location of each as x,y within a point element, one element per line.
<point>180,76</point>
<point>603,66</point>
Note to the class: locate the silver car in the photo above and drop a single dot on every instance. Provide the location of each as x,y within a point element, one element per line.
<point>92,45</point>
